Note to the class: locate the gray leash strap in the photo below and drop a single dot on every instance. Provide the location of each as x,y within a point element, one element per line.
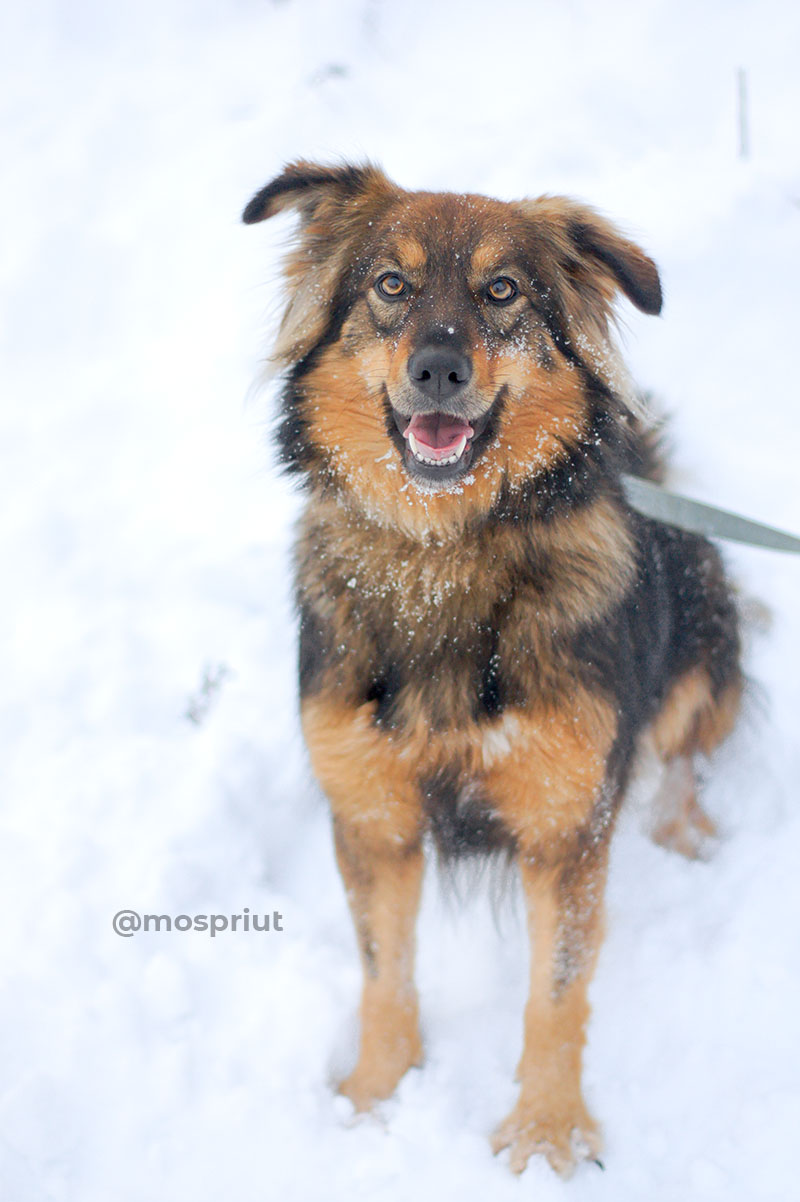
<point>656,502</point>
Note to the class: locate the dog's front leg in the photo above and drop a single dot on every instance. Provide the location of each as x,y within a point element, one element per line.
<point>383,882</point>
<point>565,915</point>
<point>377,820</point>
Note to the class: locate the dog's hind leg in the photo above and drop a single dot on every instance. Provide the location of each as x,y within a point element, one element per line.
<point>681,824</point>
<point>691,720</point>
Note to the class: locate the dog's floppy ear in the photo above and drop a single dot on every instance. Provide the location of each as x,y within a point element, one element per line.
<point>592,254</point>
<point>634,271</point>
<point>336,205</point>
<point>304,186</point>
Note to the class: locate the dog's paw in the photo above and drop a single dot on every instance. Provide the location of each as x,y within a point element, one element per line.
<point>375,1078</point>
<point>565,1140</point>
<point>692,834</point>
<point>680,822</point>
<point>365,1088</point>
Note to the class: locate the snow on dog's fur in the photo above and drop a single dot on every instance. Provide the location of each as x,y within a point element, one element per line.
<point>487,630</point>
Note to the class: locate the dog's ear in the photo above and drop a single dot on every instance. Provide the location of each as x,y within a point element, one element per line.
<point>592,254</point>
<point>336,205</point>
<point>634,271</point>
<point>305,186</point>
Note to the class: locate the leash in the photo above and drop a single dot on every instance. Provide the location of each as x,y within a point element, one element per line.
<point>656,502</point>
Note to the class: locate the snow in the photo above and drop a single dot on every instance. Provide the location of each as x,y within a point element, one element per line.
<point>146,539</point>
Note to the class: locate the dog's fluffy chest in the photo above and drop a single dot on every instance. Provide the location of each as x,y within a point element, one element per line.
<point>458,630</point>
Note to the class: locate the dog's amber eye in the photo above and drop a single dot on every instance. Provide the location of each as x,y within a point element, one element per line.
<point>501,291</point>
<point>391,286</point>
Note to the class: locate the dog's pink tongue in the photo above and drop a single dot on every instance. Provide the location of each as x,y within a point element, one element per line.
<point>438,434</point>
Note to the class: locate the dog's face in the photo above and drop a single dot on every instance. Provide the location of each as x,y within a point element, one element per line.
<point>465,329</point>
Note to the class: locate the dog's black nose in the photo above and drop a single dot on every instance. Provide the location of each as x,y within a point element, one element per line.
<point>439,371</point>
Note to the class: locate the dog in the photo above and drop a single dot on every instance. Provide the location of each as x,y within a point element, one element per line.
<point>488,632</point>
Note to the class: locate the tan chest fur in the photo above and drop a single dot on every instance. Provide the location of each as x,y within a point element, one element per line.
<point>572,570</point>
<point>436,606</point>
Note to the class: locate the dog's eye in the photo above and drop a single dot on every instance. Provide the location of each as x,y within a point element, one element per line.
<point>501,290</point>
<point>391,286</point>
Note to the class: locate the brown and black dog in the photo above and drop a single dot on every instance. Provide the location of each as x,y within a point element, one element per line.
<point>488,632</point>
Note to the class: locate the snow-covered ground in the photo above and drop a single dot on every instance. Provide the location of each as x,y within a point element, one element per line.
<point>145,540</point>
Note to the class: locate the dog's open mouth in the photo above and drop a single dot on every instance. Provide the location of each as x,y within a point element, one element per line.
<point>437,438</point>
<point>438,446</point>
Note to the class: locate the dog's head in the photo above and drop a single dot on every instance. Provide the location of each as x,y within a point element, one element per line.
<point>473,332</point>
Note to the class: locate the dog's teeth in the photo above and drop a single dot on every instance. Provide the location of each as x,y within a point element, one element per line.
<point>454,458</point>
